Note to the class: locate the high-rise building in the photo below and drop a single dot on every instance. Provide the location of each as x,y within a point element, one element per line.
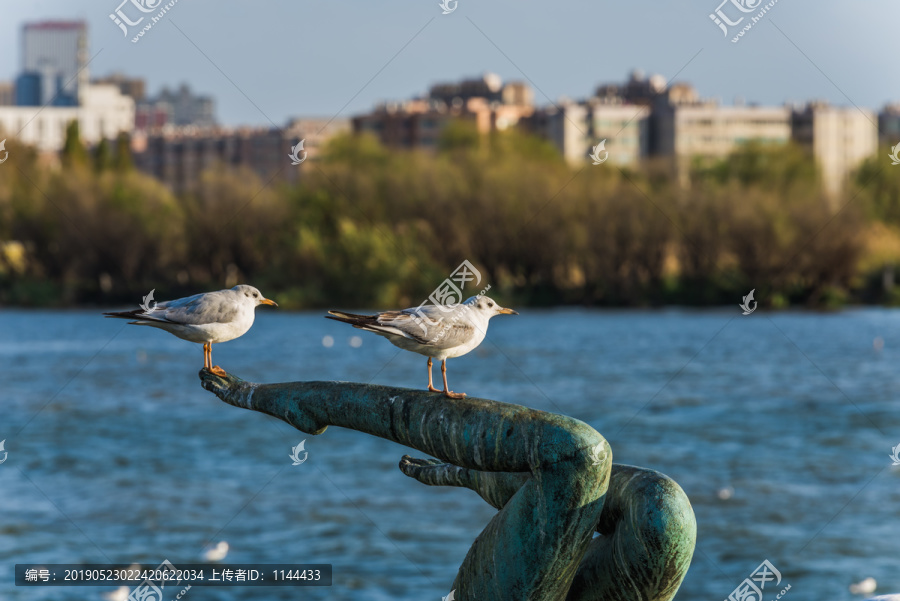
<point>689,128</point>
<point>840,138</point>
<point>53,90</point>
<point>177,108</point>
<point>889,125</point>
<point>7,93</point>
<point>54,63</point>
<point>576,128</point>
<point>103,113</point>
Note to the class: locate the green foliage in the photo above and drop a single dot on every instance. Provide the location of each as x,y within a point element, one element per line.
<point>123,161</point>
<point>772,166</point>
<point>878,185</point>
<point>369,226</point>
<point>73,152</point>
<point>459,135</point>
<point>102,156</point>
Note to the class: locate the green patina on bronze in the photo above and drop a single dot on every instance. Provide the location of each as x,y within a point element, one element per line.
<point>550,476</point>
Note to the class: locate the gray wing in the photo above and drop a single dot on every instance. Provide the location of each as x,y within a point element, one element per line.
<point>210,307</point>
<point>431,325</point>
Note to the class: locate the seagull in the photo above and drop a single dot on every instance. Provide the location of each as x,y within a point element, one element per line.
<point>217,553</point>
<point>864,586</point>
<point>205,318</point>
<point>436,331</point>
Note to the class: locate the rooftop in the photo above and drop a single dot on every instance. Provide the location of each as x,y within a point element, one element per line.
<point>56,25</point>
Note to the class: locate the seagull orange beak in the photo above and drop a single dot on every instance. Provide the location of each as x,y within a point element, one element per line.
<point>508,312</point>
<point>266,301</point>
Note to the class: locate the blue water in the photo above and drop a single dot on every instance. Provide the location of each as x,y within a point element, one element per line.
<point>116,454</point>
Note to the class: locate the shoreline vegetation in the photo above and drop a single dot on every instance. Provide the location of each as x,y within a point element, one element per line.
<point>369,226</point>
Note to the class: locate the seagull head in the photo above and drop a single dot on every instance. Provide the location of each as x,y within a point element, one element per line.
<point>488,307</point>
<point>254,295</point>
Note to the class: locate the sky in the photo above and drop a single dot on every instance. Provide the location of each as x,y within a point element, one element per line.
<point>266,62</point>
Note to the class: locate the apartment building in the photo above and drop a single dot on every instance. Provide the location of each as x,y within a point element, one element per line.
<point>487,102</point>
<point>841,138</point>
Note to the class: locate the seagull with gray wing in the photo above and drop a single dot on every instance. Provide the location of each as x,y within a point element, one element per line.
<point>436,331</point>
<point>205,318</point>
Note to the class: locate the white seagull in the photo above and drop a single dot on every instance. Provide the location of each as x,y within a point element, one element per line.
<point>436,331</point>
<point>217,553</point>
<point>206,318</point>
<point>865,586</point>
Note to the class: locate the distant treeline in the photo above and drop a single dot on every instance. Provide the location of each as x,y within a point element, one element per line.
<point>369,226</point>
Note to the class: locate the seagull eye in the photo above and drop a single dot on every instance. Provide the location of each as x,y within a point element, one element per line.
<point>255,295</point>
<point>490,304</point>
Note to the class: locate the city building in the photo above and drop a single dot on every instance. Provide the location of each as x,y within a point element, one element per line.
<point>619,114</point>
<point>486,102</point>
<point>135,87</point>
<point>179,108</point>
<point>576,128</point>
<point>637,90</point>
<point>7,93</point>
<point>178,156</point>
<point>54,63</point>
<point>689,128</point>
<point>840,138</point>
<point>53,90</point>
<point>889,125</point>
<point>102,112</point>
<point>409,124</point>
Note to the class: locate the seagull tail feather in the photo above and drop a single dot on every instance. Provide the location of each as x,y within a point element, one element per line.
<point>357,321</point>
<point>138,314</point>
<point>126,314</point>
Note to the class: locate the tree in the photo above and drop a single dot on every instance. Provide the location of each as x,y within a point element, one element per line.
<point>102,156</point>
<point>73,152</point>
<point>123,161</point>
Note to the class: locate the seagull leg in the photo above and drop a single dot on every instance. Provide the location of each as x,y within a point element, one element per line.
<point>216,370</point>
<point>431,387</point>
<point>447,391</point>
<point>206,364</point>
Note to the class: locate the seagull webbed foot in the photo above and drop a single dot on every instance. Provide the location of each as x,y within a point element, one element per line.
<point>454,395</point>
<point>219,371</point>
